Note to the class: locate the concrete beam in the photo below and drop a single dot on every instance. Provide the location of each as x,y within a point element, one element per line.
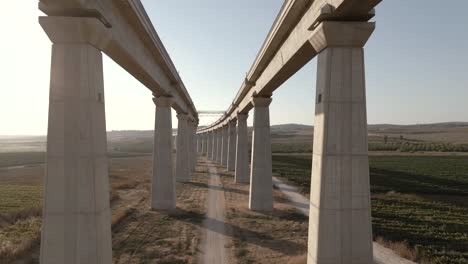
<point>134,44</point>
<point>287,48</point>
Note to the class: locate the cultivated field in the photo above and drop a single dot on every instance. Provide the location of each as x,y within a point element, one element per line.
<point>419,199</point>
<point>419,203</point>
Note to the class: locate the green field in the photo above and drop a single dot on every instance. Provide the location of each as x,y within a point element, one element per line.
<point>421,201</point>
<point>9,159</point>
<point>15,198</point>
<point>411,147</point>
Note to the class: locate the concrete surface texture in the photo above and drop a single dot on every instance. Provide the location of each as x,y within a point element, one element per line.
<point>182,154</point>
<point>209,144</point>
<point>340,218</point>
<point>261,187</point>
<point>213,145</point>
<point>242,151</point>
<point>205,144</point>
<point>231,155</point>
<point>224,146</point>
<point>76,224</point>
<point>381,255</point>
<point>193,145</point>
<point>219,144</point>
<point>163,180</point>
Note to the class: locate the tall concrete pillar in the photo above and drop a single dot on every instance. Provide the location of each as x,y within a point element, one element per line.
<point>215,144</point>
<point>199,143</point>
<point>340,217</point>
<point>194,149</point>
<point>189,144</point>
<point>204,143</point>
<point>242,150</point>
<point>231,156</point>
<point>261,181</point>
<point>192,145</point>
<point>163,181</point>
<point>224,146</point>
<point>183,151</point>
<point>76,226</point>
<point>219,144</point>
<point>209,144</point>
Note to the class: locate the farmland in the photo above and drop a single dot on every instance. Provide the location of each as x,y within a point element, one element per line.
<point>419,203</point>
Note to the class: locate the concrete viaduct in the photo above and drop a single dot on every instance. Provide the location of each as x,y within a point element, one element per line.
<point>76,217</point>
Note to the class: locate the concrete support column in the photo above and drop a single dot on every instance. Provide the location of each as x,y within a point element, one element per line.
<point>219,144</point>
<point>224,146</point>
<point>231,156</point>
<point>194,142</point>
<point>199,143</point>
<point>242,150</point>
<point>213,145</point>
<point>76,226</point>
<point>192,145</point>
<point>209,144</point>
<point>204,143</point>
<point>261,181</point>
<point>182,153</point>
<point>340,218</point>
<point>189,144</point>
<point>163,181</point>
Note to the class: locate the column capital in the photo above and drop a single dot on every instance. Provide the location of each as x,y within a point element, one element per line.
<point>341,34</point>
<point>242,117</point>
<point>261,101</point>
<point>74,30</point>
<point>232,122</point>
<point>182,116</point>
<point>163,101</point>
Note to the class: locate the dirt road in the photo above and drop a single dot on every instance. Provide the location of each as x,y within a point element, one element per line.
<point>382,255</point>
<point>213,245</point>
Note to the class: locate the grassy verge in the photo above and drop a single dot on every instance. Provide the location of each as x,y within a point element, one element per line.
<point>418,203</point>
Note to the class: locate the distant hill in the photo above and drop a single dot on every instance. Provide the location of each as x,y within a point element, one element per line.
<point>286,127</point>
<point>419,126</point>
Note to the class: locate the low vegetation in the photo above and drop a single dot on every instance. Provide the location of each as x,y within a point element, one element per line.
<point>419,203</point>
<point>8,159</point>
<point>417,147</point>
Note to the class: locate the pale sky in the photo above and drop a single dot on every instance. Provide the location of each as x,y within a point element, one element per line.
<point>416,63</point>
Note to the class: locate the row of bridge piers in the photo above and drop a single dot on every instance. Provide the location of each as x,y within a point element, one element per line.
<point>340,218</point>
<point>228,145</point>
<point>76,217</point>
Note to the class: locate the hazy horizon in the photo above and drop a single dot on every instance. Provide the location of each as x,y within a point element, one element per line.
<point>174,128</point>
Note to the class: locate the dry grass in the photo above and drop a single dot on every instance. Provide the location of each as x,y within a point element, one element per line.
<point>13,217</point>
<point>19,239</point>
<point>298,259</point>
<point>260,237</point>
<point>127,184</point>
<point>119,215</point>
<point>139,234</point>
<point>402,249</point>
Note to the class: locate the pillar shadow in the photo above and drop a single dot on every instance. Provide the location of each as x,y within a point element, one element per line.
<point>220,188</point>
<point>260,239</point>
